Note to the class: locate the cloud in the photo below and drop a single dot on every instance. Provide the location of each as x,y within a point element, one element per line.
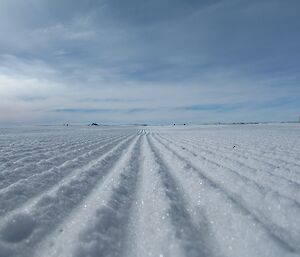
<point>212,107</point>
<point>155,61</point>
<point>135,110</point>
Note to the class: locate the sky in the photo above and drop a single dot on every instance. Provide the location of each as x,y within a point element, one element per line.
<point>154,62</point>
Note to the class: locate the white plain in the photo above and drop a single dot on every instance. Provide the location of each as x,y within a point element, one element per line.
<point>211,190</point>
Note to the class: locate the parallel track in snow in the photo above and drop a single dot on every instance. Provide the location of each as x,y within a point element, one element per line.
<point>158,191</point>
<point>262,178</point>
<point>59,160</point>
<point>230,182</point>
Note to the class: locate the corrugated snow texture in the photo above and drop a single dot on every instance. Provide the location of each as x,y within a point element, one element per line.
<point>214,190</point>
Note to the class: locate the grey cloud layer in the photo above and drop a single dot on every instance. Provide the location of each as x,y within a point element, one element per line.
<point>177,53</point>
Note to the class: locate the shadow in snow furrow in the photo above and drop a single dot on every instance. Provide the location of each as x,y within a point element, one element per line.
<point>238,162</point>
<point>52,209</point>
<point>265,158</point>
<point>45,151</point>
<point>276,233</point>
<point>25,175</point>
<point>8,177</point>
<point>25,189</point>
<point>195,240</point>
<point>30,150</point>
<point>17,152</point>
<point>107,236</point>
<point>42,149</point>
<point>242,177</point>
<point>261,186</point>
<point>250,181</point>
<point>32,169</point>
<point>254,152</point>
<point>262,161</point>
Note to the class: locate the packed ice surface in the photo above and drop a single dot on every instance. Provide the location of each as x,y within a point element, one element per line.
<point>214,190</point>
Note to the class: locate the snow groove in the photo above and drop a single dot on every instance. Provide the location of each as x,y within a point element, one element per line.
<point>25,189</point>
<point>283,187</point>
<point>150,226</point>
<point>52,207</point>
<point>106,211</point>
<point>26,171</point>
<point>156,191</point>
<point>279,171</point>
<point>111,220</point>
<point>282,236</point>
<point>195,240</point>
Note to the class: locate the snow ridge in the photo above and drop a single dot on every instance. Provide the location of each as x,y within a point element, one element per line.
<point>194,191</point>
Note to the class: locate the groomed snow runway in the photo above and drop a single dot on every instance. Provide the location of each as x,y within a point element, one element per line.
<point>231,190</point>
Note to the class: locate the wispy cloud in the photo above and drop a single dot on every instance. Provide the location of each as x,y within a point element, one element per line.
<point>113,100</point>
<point>134,110</point>
<point>85,110</point>
<point>163,60</point>
<point>212,107</point>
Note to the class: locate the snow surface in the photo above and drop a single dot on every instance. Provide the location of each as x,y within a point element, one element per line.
<point>214,190</point>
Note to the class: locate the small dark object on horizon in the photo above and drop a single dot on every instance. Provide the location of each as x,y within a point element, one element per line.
<point>233,146</point>
<point>184,124</point>
<point>94,124</point>
<point>174,124</point>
